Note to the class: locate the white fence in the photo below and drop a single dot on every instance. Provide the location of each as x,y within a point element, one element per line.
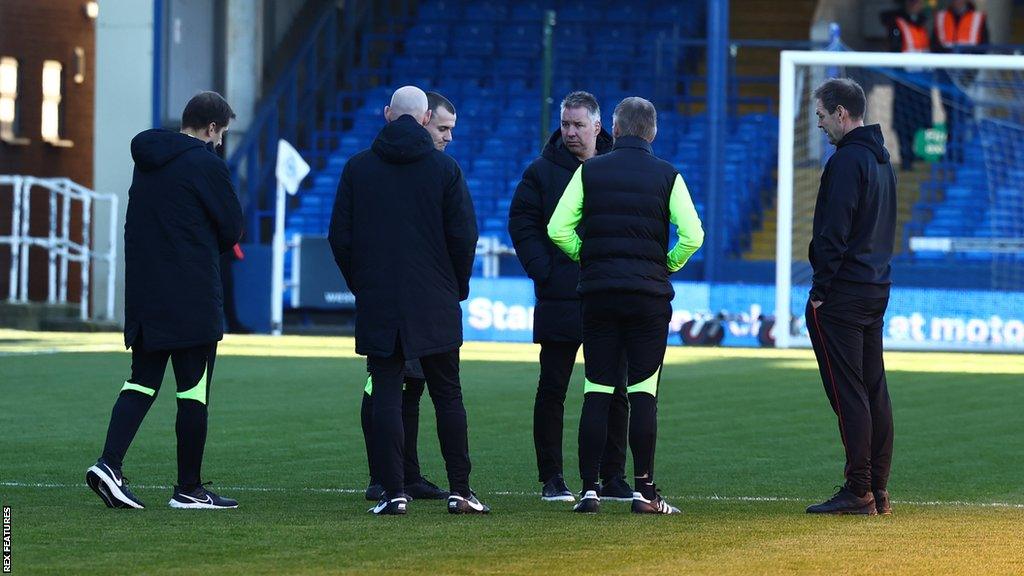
<point>64,197</point>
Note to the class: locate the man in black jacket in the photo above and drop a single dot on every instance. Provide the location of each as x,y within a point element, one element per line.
<point>182,214</point>
<point>442,122</point>
<point>556,317</point>
<point>850,251</point>
<point>404,235</point>
<point>625,200</point>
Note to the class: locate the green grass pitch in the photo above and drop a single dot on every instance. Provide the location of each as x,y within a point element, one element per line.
<point>746,441</point>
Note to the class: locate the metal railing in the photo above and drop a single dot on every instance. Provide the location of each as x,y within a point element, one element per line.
<point>61,249</point>
<point>289,111</point>
<point>303,95</point>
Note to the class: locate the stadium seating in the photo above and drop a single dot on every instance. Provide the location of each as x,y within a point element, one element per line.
<point>485,55</point>
<point>981,197</point>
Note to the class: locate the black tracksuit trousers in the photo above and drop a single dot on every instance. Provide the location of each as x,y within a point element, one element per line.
<point>442,375</point>
<point>556,364</point>
<point>193,374</point>
<point>616,325</point>
<point>846,332</point>
<point>412,391</point>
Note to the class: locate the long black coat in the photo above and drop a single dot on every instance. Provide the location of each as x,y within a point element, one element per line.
<point>557,315</point>
<point>182,214</point>
<point>404,235</point>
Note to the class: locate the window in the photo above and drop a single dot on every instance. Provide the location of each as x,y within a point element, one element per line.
<point>9,125</point>
<point>53,90</point>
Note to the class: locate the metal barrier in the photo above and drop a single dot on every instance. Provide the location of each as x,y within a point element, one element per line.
<point>489,250</point>
<point>60,247</point>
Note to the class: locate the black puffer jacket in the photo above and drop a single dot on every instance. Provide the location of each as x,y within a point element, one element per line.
<point>404,235</point>
<point>182,214</point>
<point>555,277</point>
<point>626,211</point>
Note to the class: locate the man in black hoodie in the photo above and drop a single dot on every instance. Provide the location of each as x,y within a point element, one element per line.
<point>182,215</point>
<point>403,233</point>
<point>850,251</point>
<point>556,318</point>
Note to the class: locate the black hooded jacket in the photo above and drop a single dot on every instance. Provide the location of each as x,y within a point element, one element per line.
<point>555,277</point>
<point>403,233</point>
<point>855,219</point>
<point>182,214</point>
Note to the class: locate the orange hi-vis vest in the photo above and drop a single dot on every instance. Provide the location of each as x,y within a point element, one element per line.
<point>966,32</point>
<point>915,36</point>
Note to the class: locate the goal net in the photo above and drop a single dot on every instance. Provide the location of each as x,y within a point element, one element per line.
<point>954,126</point>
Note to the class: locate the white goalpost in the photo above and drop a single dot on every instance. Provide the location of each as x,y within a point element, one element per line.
<point>954,124</point>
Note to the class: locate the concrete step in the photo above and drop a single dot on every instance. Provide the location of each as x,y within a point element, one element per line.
<point>77,325</point>
<point>31,315</point>
<point>50,317</point>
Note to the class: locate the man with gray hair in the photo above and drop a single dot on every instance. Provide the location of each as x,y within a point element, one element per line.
<point>557,314</point>
<point>403,218</point>
<point>624,202</point>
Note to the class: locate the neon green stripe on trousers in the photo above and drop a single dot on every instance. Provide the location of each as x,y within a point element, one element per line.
<point>589,387</point>
<point>197,392</point>
<point>137,388</point>
<point>650,385</point>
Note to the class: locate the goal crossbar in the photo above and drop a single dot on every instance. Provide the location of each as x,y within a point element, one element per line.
<point>789,60</point>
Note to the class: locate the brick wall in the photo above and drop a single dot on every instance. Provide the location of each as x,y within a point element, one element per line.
<point>34,31</point>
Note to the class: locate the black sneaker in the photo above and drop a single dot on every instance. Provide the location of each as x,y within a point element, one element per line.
<point>200,498</point>
<point>616,489</point>
<point>111,486</point>
<point>654,505</point>
<point>882,503</point>
<point>425,490</point>
<point>390,506</point>
<point>555,490</point>
<point>374,492</point>
<point>844,501</point>
<point>590,503</point>
<point>458,504</point>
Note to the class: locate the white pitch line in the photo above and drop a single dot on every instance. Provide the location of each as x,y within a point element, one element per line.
<point>161,487</point>
<point>52,351</point>
<point>698,498</point>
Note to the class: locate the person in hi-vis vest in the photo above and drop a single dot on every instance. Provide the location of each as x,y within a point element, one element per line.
<point>960,27</point>
<point>911,101</point>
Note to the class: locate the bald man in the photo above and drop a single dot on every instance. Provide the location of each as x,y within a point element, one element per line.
<point>417,486</point>
<point>404,233</point>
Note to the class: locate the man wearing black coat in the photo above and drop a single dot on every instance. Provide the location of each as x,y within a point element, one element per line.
<point>182,215</point>
<point>442,122</point>
<point>556,317</point>
<point>403,233</point>
<point>850,252</point>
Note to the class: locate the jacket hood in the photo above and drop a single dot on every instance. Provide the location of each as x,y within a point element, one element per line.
<point>869,137</point>
<point>153,149</point>
<point>403,141</point>
<point>555,150</point>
